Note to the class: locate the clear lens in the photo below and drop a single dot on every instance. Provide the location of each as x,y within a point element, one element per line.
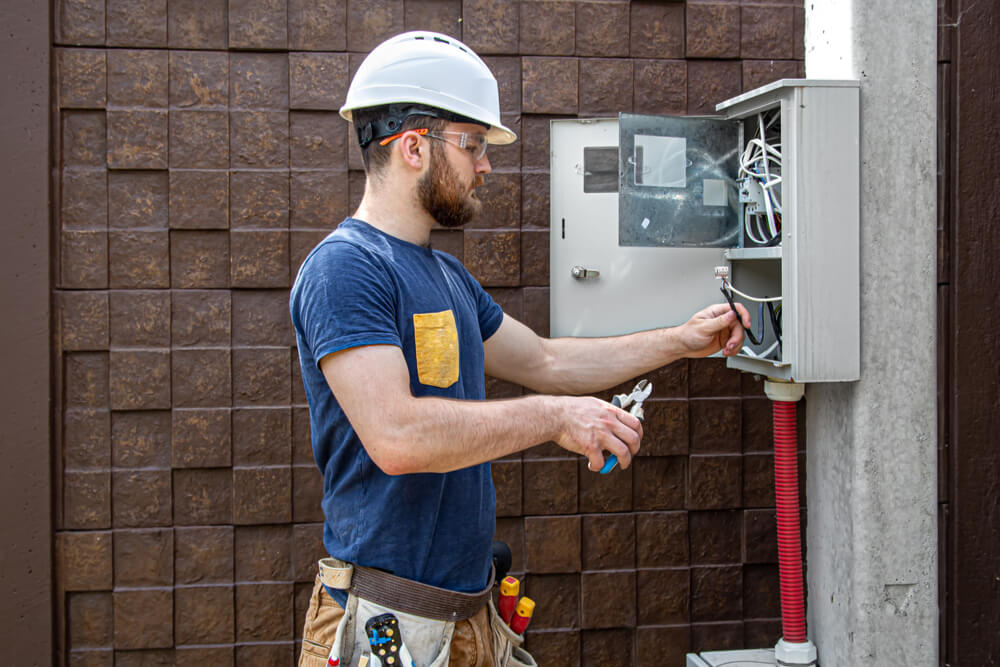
<point>474,144</point>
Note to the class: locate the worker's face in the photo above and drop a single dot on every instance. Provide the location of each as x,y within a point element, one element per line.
<point>447,189</point>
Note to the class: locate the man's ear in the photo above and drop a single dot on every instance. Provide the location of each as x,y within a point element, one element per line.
<point>411,150</point>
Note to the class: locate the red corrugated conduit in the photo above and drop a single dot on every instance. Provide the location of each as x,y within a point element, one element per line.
<point>786,481</point>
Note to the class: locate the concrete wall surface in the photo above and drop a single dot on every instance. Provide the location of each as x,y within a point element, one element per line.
<point>872,523</point>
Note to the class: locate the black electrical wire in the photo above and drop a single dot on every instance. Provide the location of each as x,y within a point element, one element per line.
<point>754,339</point>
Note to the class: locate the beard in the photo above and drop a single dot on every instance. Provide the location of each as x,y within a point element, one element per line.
<point>443,195</point>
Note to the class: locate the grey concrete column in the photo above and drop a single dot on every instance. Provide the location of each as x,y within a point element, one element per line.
<point>872,462</point>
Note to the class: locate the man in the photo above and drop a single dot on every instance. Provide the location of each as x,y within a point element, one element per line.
<point>394,339</point>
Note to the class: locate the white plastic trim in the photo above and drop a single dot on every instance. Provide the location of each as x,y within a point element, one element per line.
<point>784,391</point>
<point>788,654</point>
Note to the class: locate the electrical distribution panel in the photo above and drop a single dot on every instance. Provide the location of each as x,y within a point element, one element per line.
<point>652,215</point>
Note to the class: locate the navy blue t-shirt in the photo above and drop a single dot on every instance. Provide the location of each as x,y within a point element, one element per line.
<point>358,287</point>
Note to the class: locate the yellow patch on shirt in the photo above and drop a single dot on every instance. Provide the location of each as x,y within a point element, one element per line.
<point>436,339</point>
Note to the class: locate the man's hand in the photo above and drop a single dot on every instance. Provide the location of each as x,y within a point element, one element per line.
<point>591,427</point>
<point>714,328</point>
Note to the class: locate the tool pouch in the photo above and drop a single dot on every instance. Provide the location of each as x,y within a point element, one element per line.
<point>507,643</point>
<point>428,640</point>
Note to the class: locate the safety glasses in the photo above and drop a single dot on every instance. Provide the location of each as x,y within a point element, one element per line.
<point>474,144</point>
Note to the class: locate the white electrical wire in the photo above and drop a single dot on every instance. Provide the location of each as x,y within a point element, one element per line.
<point>750,353</point>
<point>756,162</point>
<point>746,296</point>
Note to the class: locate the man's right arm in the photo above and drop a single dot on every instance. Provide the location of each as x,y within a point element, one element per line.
<point>405,434</point>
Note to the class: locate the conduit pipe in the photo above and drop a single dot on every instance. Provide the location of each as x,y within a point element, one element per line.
<point>794,647</point>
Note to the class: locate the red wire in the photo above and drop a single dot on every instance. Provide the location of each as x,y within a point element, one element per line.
<point>786,483</point>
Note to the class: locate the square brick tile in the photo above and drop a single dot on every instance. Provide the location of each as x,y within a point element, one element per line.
<point>262,436</point>
<point>536,309</point>
<point>201,438</point>
<point>317,140</point>
<point>715,426</point>
<point>307,549</point>
<point>664,596</point>
<point>665,428</point>
<point>137,23</point>
<point>144,658</point>
<point>607,647</point>
<point>86,439</point>
<point>140,318</point>
<point>511,532</point>
<point>83,320</point>
<point>493,258</point>
<point>444,16</point>
<point>302,242</point>
<point>261,376</point>
<point>317,25</point>
<point>664,645</point>
<point>711,378</point>
<point>757,73</point>
<point>508,481</point>
<point>140,379</point>
<point>507,70</point>
<point>203,615</point>
<point>716,593</point>
<point>550,487</point>
<point>534,142</point>
<point>370,22</point>
<point>301,436</point>
<point>557,597</point>
<point>198,79</point>
<point>662,539</point>
<point>715,482</point>
<point>552,544</point>
<point>84,199</point>
<point>144,558</point>
<point>549,85</point>
<point>260,318</point>
<point>82,78</point>
<point>602,29</point>
<point>84,138</point>
<point>761,591</point>
<point>201,318</point>
<point>203,497</point>
<point>259,258</point>
<point>660,86</point>
<point>757,425</point>
<point>657,30</point>
<point>258,24</point>
<point>86,379</point>
<point>762,632</point>
<point>264,612</point>
<point>197,24</point>
<point>659,482</point>
<point>713,31</point>
<point>264,655</point>
<point>137,199</point>
<point>258,139</point>
<point>716,537</point>
<point>84,259</point>
<point>758,480</point>
<point>137,78</point>
<point>606,493</point>
<point>89,619</point>
<point>608,599</point>
<point>262,495</point>
<point>258,199</point>
<point>608,541</point>
<point>711,82</point>
<point>307,493</point>
<point>202,378</point>
<point>535,205</point>
<point>138,259</point>
<point>547,28</point>
<point>86,499</point>
<point>767,32</point>
<point>760,536</point>
<point>258,81</point>
<point>199,259</point>
<point>137,139</point>
<point>560,647</point>
<point>501,197</point>
<point>141,498</point>
<point>319,198</point>
<point>144,619</point>
<point>199,199</point>
<point>83,561</point>
<point>80,21</point>
<point>716,636</point>
<point>199,138</point>
<point>318,80</point>
<point>605,86</point>
<point>490,27</point>
<point>263,553</point>
<point>140,439</point>
<point>203,555</point>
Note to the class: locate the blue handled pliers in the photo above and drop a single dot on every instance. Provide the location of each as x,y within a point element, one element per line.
<point>623,401</point>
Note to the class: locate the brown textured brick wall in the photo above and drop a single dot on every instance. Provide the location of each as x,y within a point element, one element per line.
<point>199,157</point>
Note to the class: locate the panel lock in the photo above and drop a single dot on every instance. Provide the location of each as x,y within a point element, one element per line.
<point>581,273</point>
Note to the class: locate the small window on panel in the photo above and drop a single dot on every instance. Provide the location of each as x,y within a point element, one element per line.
<point>600,169</point>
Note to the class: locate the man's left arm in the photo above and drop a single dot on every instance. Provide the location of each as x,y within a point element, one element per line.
<point>585,365</point>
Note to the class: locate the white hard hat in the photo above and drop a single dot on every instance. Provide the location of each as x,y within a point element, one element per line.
<point>430,69</point>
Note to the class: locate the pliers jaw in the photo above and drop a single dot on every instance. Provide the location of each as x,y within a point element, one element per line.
<point>633,403</point>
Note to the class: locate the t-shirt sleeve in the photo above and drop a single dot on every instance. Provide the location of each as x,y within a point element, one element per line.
<point>343,299</point>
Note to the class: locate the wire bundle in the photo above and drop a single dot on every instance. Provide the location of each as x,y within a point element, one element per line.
<point>761,164</point>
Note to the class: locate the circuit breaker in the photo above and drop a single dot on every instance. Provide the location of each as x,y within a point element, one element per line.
<point>653,217</point>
